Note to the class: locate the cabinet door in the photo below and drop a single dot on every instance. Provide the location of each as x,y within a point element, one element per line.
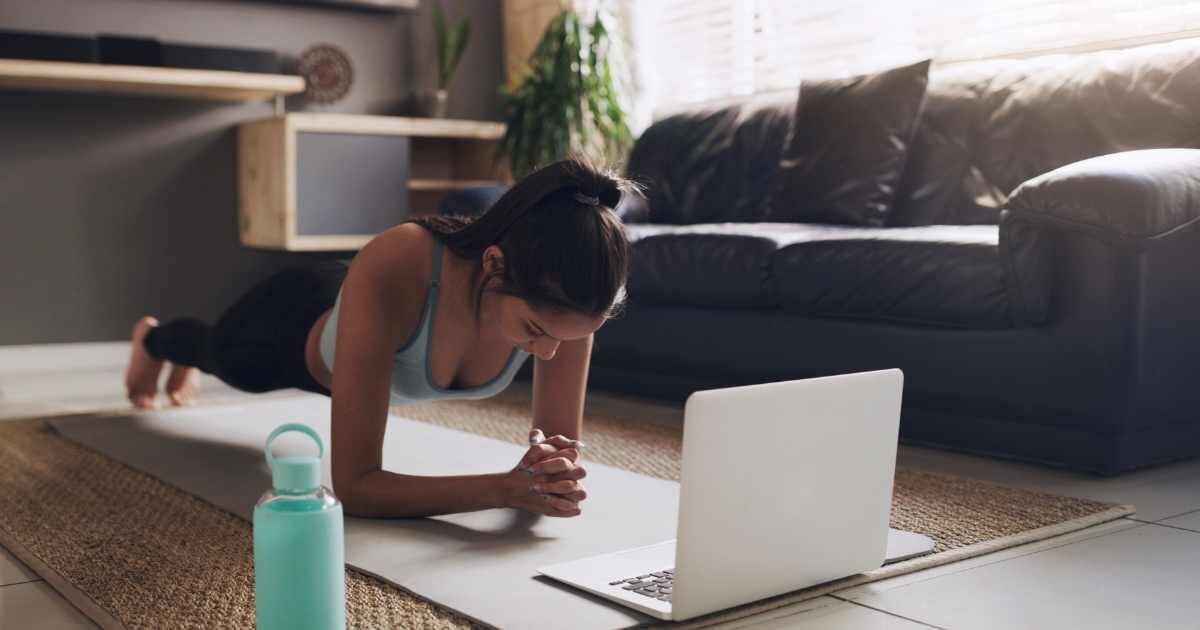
<point>350,183</point>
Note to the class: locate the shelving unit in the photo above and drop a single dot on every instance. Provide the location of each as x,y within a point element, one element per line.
<point>331,182</point>
<point>147,81</point>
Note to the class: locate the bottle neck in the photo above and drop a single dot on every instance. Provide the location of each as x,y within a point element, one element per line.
<point>295,493</point>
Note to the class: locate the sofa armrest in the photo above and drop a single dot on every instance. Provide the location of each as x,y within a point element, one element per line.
<point>1126,196</point>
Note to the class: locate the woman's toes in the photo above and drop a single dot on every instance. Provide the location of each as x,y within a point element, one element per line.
<point>144,401</point>
<point>183,385</point>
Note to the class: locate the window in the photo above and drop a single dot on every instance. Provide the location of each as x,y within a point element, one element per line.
<point>700,51</point>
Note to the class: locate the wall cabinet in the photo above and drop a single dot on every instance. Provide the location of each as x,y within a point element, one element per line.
<point>309,182</point>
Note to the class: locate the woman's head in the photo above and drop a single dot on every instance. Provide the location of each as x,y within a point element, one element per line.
<point>552,241</point>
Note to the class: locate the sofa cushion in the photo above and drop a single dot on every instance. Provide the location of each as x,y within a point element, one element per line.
<point>711,264</point>
<point>939,275</point>
<point>944,275</point>
<point>847,147</point>
<point>712,164</point>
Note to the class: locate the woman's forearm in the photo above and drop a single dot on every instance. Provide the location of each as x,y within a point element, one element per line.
<point>384,494</point>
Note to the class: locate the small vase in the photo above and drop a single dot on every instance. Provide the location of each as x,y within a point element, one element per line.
<point>432,104</point>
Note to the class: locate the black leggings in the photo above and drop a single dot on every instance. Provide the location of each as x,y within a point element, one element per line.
<point>258,343</point>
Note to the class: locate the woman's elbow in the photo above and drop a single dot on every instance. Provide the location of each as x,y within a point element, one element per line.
<point>348,490</point>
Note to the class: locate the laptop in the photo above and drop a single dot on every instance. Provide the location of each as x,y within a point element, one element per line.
<point>783,486</point>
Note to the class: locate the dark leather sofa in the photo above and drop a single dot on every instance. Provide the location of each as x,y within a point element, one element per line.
<point>1036,280</point>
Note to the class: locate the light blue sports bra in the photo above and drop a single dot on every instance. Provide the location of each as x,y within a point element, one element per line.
<point>411,378</point>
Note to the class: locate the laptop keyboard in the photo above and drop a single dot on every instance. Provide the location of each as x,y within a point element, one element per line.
<point>657,585</point>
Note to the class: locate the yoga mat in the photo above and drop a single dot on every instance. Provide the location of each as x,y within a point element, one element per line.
<point>480,564</point>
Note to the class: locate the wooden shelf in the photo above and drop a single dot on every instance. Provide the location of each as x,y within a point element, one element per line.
<point>331,182</point>
<point>338,243</point>
<point>450,184</point>
<point>443,128</point>
<point>148,81</point>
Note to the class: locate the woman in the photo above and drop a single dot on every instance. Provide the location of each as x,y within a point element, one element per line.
<point>433,308</point>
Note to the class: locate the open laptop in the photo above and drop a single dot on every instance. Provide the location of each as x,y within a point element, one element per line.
<point>783,486</point>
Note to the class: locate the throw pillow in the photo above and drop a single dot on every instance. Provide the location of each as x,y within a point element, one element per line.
<point>847,147</point>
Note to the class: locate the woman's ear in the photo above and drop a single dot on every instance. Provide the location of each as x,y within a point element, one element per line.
<point>493,260</point>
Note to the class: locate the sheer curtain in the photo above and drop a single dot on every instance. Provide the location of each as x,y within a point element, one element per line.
<point>700,51</point>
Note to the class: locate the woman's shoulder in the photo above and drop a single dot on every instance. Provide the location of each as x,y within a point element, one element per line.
<point>396,262</point>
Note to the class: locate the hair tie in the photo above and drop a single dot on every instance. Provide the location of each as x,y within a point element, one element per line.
<point>587,199</point>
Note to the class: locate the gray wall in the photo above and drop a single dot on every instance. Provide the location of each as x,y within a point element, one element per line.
<point>112,207</point>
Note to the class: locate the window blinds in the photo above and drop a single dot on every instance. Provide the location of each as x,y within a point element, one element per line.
<point>695,51</point>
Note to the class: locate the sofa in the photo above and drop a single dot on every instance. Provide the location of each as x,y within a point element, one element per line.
<point>1035,276</point>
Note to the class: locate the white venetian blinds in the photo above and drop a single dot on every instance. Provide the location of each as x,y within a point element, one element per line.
<point>693,51</point>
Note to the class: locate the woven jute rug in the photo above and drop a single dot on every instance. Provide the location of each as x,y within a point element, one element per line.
<point>133,552</point>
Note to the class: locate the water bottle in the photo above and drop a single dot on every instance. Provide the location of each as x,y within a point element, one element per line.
<point>299,553</point>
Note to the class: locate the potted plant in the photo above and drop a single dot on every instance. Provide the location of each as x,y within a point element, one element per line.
<point>570,100</point>
<point>451,42</point>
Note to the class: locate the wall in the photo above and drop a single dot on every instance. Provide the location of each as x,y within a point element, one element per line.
<point>112,207</point>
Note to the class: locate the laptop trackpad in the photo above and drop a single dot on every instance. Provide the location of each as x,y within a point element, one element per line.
<point>904,545</point>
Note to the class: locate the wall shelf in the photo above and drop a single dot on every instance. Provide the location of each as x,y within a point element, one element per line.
<point>146,81</point>
<point>397,125</point>
<point>450,184</point>
<point>331,182</point>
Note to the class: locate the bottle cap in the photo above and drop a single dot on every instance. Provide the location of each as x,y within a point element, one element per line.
<point>295,473</point>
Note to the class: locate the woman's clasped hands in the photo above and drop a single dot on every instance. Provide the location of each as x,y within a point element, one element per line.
<point>546,480</point>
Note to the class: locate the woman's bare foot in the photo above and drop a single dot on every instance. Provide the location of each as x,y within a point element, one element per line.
<point>182,385</point>
<point>141,377</point>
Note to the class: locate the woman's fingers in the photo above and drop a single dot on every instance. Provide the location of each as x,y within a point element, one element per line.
<point>562,441</point>
<point>576,473</point>
<point>535,454</point>
<point>574,493</point>
<point>554,505</point>
<point>542,452</point>
<point>577,496</point>
<point>558,487</point>
<point>553,465</point>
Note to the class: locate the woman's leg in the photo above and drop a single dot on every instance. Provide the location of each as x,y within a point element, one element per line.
<point>258,343</point>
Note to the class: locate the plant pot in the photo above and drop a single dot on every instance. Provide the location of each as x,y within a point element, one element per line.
<point>431,103</point>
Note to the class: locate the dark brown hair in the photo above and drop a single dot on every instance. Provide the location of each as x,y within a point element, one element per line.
<point>561,251</point>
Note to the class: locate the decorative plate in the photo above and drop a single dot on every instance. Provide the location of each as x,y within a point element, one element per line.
<point>327,73</point>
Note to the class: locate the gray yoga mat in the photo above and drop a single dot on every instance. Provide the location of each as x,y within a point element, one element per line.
<point>480,564</point>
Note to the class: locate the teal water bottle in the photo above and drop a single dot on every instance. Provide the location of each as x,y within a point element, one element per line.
<point>299,551</point>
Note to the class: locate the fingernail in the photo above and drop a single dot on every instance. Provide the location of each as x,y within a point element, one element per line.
<point>537,487</point>
<point>579,444</point>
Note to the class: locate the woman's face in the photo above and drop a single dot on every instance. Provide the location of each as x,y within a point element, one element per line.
<point>540,331</point>
<point>537,331</point>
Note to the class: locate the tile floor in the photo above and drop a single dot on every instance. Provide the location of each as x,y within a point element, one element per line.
<point>1137,572</point>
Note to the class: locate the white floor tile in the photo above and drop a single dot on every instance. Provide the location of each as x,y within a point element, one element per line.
<point>36,606</point>
<point>1157,493</point>
<point>1096,531</point>
<point>1143,577</point>
<point>827,613</point>
<point>1187,521</point>
<point>13,571</point>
